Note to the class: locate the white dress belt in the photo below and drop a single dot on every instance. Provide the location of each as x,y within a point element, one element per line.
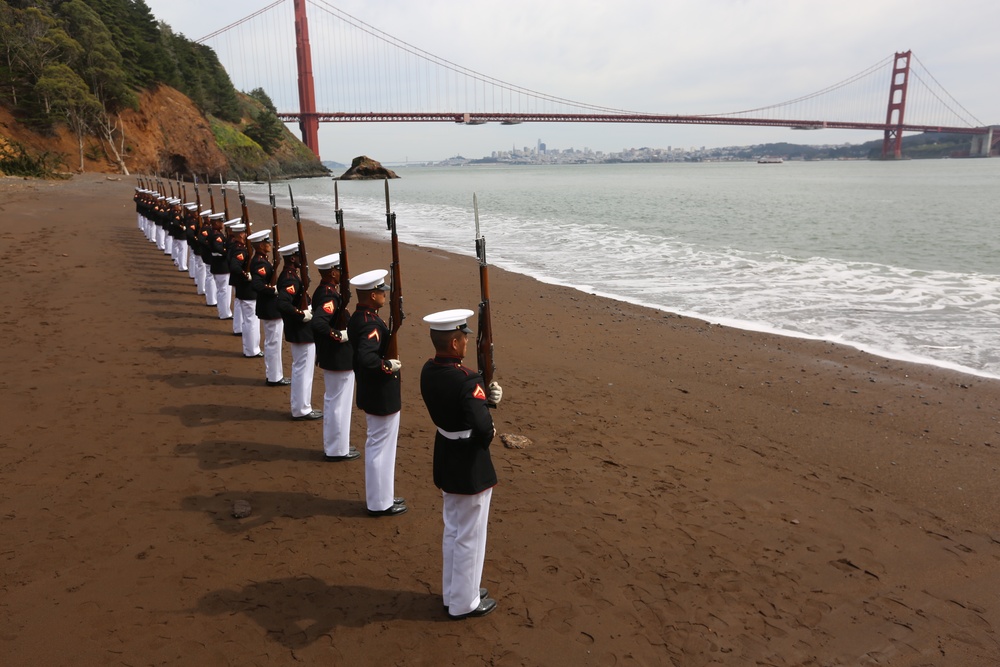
<point>455,435</point>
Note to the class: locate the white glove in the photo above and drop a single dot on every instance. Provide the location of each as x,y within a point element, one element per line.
<point>341,335</point>
<point>307,314</point>
<point>394,365</point>
<point>495,393</point>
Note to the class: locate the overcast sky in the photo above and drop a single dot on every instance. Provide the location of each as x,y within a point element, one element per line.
<point>664,56</point>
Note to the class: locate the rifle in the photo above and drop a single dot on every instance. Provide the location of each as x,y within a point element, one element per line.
<point>395,283</point>
<point>171,189</point>
<point>484,332</point>
<point>275,256</point>
<point>246,220</point>
<point>304,274</point>
<point>225,201</point>
<point>211,196</point>
<point>342,315</point>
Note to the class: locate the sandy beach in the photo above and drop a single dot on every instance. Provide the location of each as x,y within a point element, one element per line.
<point>693,495</point>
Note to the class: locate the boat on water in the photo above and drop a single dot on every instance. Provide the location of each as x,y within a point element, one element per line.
<point>769,160</point>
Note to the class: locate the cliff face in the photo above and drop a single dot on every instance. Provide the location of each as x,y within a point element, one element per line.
<point>168,135</point>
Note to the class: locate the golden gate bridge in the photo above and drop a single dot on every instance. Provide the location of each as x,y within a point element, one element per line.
<point>371,76</point>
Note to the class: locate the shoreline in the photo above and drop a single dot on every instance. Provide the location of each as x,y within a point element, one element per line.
<point>694,493</point>
<point>741,325</point>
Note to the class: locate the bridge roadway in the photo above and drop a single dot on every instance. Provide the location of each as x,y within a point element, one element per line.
<point>515,118</point>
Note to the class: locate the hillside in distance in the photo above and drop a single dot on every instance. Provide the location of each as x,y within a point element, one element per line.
<point>101,85</point>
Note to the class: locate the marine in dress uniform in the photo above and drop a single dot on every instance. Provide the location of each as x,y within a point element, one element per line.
<point>298,333</point>
<point>378,392</point>
<point>218,264</point>
<point>463,470</point>
<point>335,356</point>
<point>160,221</point>
<point>177,242</point>
<point>205,254</point>
<point>267,312</point>
<point>244,298</point>
<point>190,232</point>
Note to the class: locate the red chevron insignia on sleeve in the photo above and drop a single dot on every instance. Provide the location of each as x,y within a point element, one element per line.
<point>374,334</point>
<point>479,393</point>
<point>328,307</point>
<point>290,289</point>
<point>262,271</point>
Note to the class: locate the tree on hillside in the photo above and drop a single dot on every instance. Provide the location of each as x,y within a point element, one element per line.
<point>101,66</point>
<point>265,128</point>
<point>67,94</point>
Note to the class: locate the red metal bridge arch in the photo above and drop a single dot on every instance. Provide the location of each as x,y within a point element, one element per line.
<point>982,138</point>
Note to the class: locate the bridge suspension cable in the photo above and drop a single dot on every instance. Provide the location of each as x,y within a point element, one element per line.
<point>365,74</point>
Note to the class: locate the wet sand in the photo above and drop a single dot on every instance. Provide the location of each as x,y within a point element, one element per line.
<point>694,494</point>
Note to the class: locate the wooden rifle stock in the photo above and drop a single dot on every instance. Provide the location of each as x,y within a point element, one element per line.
<point>211,197</point>
<point>225,200</point>
<point>396,314</point>
<point>246,221</point>
<point>484,332</point>
<point>303,259</point>
<point>275,256</point>
<point>343,315</point>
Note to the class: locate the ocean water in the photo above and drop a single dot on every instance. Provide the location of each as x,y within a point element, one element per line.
<point>897,258</point>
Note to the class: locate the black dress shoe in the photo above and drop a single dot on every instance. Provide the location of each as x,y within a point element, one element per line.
<point>315,414</point>
<point>392,511</point>
<point>486,605</point>
<point>398,501</point>
<point>254,356</point>
<point>349,456</point>
<point>483,594</point>
<point>283,382</point>
<point>237,333</point>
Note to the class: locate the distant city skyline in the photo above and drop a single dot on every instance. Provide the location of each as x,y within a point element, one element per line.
<point>673,57</point>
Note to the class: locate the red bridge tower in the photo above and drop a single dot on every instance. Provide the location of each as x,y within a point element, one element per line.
<point>893,140</point>
<point>308,119</point>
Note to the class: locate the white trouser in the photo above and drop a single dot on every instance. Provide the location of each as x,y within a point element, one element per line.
<point>380,460</point>
<point>209,285</point>
<point>192,264</point>
<point>463,549</point>
<point>159,237</point>
<point>303,365</point>
<point>199,276</point>
<point>338,396</point>
<point>249,325</point>
<point>274,333</point>
<point>222,295</point>
<point>238,313</point>
<point>171,248</point>
<point>181,253</point>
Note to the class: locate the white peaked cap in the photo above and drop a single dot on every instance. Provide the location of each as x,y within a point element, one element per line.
<point>327,261</point>
<point>216,216</point>
<point>230,223</point>
<point>450,320</point>
<point>289,249</point>
<point>190,207</point>
<point>238,227</point>
<point>370,280</point>
<point>205,211</point>
<point>257,237</point>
